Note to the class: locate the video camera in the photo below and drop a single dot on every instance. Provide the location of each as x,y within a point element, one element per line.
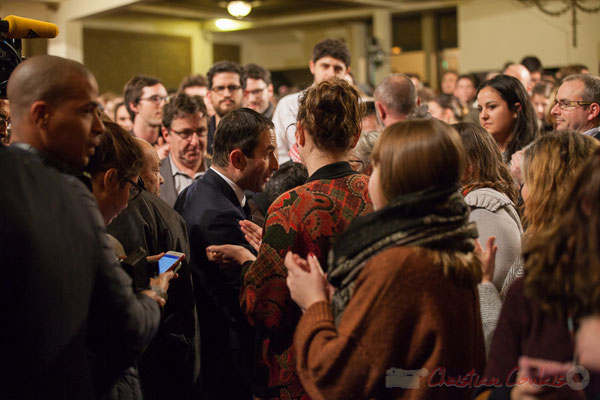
<point>12,30</point>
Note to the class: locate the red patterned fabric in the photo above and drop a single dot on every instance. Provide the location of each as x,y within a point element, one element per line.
<point>305,219</point>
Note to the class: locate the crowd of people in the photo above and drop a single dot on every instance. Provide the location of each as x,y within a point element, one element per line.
<point>339,242</point>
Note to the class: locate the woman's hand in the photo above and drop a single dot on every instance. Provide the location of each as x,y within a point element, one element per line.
<point>488,258</point>
<point>305,280</point>
<point>516,162</point>
<point>252,233</point>
<point>229,255</point>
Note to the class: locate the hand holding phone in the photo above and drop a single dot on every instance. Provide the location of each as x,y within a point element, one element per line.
<point>171,261</point>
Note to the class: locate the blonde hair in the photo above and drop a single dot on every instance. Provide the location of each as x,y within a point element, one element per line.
<point>414,155</point>
<point>550,165</point>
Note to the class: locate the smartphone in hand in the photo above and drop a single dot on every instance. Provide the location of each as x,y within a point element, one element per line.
<point>171,261</point>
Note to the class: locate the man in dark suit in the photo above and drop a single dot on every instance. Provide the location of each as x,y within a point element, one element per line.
<point>71,322</point>
<point>185,129</point>
<point>243,159</point>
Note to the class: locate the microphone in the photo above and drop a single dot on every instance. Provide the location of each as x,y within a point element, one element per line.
<point>27,28</point>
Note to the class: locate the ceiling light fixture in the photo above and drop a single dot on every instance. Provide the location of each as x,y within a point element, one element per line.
<point>239,9</point>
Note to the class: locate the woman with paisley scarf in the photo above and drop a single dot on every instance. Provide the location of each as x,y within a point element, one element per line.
<point>403,320</point>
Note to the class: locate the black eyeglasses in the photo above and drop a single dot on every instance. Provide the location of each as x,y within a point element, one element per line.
<point>187,133</point>
<point>255,92</point>
<point>221,89</point>
<point>156,99</point>
<point>135,189</point>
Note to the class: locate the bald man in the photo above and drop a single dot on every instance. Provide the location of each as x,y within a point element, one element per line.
<point>395,99</point>
<point>522,74</point>
<point>170,367</point>
<point>72,323</point>
<point>150,173</point>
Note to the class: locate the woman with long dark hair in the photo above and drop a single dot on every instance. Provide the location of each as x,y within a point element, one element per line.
<point>506,112</point>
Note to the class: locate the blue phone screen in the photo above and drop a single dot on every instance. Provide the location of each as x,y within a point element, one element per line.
<point>165,262</point>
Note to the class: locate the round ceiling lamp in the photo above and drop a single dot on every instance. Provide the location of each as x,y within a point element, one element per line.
<point>239,9</point>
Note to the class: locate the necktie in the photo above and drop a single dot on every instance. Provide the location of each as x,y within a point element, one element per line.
<point>247,211</point>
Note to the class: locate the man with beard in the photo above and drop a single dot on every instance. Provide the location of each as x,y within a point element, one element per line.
<point>225,93</point>
<point>185,130</point>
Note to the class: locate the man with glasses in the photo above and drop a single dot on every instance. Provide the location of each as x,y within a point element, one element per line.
<point>225,93</point>
<point>577,105</point>
<point>185,131</point>
<point>144,99</point>
<point>258,90</point>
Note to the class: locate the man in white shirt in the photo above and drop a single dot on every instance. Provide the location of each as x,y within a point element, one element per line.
<point>185,129</point>
<point>331,57</point>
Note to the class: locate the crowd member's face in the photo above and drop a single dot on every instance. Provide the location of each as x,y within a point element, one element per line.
<point>150,174</point>
<point>119,199</point>
<point>150,106</point>
<point>449,83</point>
<point>201,91</point>
<point>465,91</point>
<point>123,118</point>
<point>187,138</point>
<point>536,77</point>
<point>261,166</point>
<point>257,95</point>
<point>574,117</point>
<point>375,192</point>
<point>226,93</point>
<point>327,67</point>
<point>494,114</point>
<point>435,110</point>
<point>540,103</point>
<point>72,129</point>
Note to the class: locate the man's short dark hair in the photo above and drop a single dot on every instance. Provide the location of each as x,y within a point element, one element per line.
<point>132,92</point>
<point>192,81</point>
<point>239,129</point>
<point>532,63</point>
<point>255,71</point>
<point>470,77</point>
<point>333,48</point>
<point>223,66</point>
<point>180,106</point>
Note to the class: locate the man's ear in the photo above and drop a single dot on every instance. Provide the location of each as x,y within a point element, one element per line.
<point>311,65</point>
<point>39,112</point>
<point>133,107</point>
<point>300,132</point>
<point>380,109</point>
<point>166,135</point>
<point>270,89</point>
<point>237,159</point>
<point>111,180</point>
<point>594,111</point>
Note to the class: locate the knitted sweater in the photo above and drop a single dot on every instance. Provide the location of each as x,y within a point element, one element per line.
<point>495,215</point>
<point>303,220</point>
<point>404,315</point>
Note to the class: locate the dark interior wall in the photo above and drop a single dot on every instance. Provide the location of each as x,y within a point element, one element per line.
<point>115,56</point>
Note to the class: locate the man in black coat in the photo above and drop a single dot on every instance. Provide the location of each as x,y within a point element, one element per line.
<point>71,322</point>
<point>243,159</point>
<point>170,366</point>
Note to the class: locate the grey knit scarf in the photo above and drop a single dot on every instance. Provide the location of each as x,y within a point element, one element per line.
<point>435,218</point>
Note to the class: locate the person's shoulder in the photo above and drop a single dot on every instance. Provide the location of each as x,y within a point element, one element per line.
<point>487,198</point>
